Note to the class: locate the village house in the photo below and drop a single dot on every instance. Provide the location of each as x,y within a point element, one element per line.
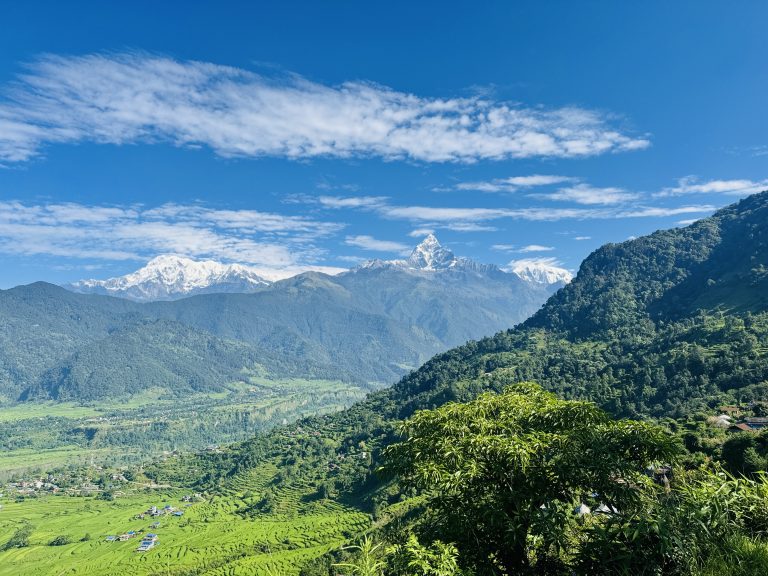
<point>756,423</point>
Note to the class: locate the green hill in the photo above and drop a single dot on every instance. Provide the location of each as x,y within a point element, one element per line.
<point>659,325</point>
<point>630,333</point>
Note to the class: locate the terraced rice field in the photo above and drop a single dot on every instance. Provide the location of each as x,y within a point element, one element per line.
<point>210,539</point>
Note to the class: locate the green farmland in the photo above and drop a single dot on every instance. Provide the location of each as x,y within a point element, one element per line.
<point>211,538</point>
<point>37,437</point>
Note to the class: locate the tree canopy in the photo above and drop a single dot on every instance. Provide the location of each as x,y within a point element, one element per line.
<point>508,466</point>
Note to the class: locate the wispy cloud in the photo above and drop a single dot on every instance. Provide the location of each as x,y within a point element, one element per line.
<point>580,238</point>
<point>536,248</point>
<point>138,97</point>
<point>513,183</point>
<point>474,219</point>
<point>273,241</point>
<point>350,201</point>
<point>371,243</point>
<point>421,232</point>
<point>662,212</point>
<point>692,185</point>
<point>590,195</point>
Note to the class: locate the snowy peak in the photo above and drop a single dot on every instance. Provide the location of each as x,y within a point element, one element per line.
<point>430,255</point>
<point>540,272</point>
<point>169,277</point>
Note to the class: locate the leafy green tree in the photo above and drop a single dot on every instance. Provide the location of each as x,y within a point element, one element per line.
<point>19,539</point>
<point>740,454</point>
<point>414,559</point>
<point>494,467</point>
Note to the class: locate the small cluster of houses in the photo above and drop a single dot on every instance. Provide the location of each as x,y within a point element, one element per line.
<point>148,542</point>
<point>730,417</point>
<point>32,487</point>
<point>124,537</point>
<point>154,512</point>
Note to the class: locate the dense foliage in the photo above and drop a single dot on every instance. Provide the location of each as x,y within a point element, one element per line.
<point>509,468</point>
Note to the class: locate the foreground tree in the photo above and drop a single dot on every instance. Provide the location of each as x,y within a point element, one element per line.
<point>507,469</point>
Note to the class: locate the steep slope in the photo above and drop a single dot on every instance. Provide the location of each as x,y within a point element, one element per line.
<point>42,324</point>
<point>664,325</point>
<point>311,317</point>
<point>144,355</point>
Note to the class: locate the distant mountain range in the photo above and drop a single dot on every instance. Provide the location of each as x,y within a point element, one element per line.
<point>168,277</point>
<point>171,277</point>
<point>369,325</point>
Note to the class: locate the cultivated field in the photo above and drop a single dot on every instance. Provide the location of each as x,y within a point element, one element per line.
<point>211,538</point>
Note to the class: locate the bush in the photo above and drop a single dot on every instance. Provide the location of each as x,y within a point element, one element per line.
<point>61,540</point>
<point>20,538</point>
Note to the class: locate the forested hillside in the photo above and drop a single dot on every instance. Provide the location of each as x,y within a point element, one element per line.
<point>635,360</point>
<point>663,325</point>
<point>659,325</point>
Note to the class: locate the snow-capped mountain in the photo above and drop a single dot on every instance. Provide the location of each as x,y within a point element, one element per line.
<point>540,272</point>
<point>170,277</point>
<point>430,256</point>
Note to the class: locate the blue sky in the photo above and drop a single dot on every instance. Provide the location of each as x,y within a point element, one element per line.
<point>317,134</point>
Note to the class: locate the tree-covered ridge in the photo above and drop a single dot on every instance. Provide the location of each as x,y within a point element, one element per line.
<point>664,366</point>
<point>660,325</point>
<point>631,288</point>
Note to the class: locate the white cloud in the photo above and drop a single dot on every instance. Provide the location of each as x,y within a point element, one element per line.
<point>371,243</point>
<point>273,241</point>
<point>536,248</point>
<point>582,238</point>
<point>352,201</point>
<point>351,259</point>
<point>691,185</point>
<point>476,219</point>
<point>513,183</point>
<point>137,97</point>
<point>687,222</point>
<point>662,212</point>
<point>503,247</point>
<point>590,195</point>
<point>468,227</point>
<point>421,232</point>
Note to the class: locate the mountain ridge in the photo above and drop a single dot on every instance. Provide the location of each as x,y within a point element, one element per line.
<point>172,276</point>
<point>368,326</point>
